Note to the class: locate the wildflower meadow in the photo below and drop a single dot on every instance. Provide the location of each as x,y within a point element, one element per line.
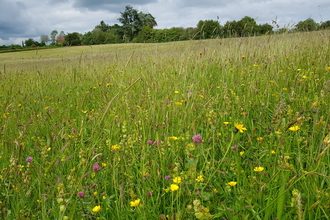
<point>204,129</point>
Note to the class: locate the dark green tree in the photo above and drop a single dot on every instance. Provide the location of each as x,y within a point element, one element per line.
<point>325,25</point>
<point>102,26</point>
<point>230,29</point>
<point>133,21</point>
<point>308,25</point>
<point>146,35</point>
<point>29,42</point>
<point>73,39</point>
<point>147,20</point>
<point>264,29</point>
<point>247,26</point>
<point>208,29</point>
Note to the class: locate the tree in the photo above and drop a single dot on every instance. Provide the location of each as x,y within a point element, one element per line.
<point>29,42</point>
<point>145,35</point>
<point>325,25</point>
<point>102,26</point>
<point>44,39</point>
<point>230,29</point>
<point>208,29</point>
<point>147,20</point>
<point>308,25</point>
<point>73,39</point>
<point>264,29</point>
<point>247,26</point>
<point>133,21</point>
<point>53,36</point>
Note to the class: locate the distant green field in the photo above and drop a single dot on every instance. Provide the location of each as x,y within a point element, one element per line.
<point>214,129</point>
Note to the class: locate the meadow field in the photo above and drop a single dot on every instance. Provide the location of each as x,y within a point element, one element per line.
<point>226,129</point>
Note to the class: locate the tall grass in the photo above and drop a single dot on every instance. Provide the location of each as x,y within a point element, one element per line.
<point>216,129</point>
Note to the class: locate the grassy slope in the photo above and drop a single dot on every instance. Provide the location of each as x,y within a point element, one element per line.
<point>72,107</point>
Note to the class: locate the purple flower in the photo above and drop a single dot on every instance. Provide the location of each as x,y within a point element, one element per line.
<point>81,194</point>
<point>149,142</point>
<point>149,194</point>
<point>96,167</point>
<point>29,159</point>
<point>234,147</point>
<point>168,177</point>
<point>197,139</point>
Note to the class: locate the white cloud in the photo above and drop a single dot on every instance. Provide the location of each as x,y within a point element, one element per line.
<point>33,18</point>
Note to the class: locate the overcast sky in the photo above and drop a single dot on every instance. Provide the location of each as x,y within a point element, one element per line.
<point>23,19</point>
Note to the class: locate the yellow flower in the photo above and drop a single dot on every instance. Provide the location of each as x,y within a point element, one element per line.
<point>115,147</point>
<point>258,169</point>
<point>174,187</point>
<point>232,183</point>
<point>176,92</point>
<point>200,178</point>
<point>240,127</point>
<point>96,208</point>
<point>173,138</point>
<point>104,164</point>
<point>214,190</point>
<point>278,132</point>
<point>178,103</point>
<point>273,152</point>
<point>260,139</point>
<point>294,128</point>
<point>328,68</point>
<point>304,77</point>
<point>177,179</point>
<point>225,122</point>
<point>241,153</point>
<point>201,96</point>
<point>135,203</point>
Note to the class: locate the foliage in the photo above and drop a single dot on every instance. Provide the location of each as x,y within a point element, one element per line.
<point>307,25</point>
<point>53,35</point>
<point>146,35</point>
<point>29,42</point>
<point>73,39</point>
<point>133,21</point>
<point>325,25</point>
<point>208,29</point>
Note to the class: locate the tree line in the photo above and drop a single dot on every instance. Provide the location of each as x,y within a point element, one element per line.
<point>139,27</point>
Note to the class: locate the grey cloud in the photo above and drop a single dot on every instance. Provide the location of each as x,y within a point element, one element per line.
<point>109,5</point>
<point>14,20</point>
<point>205,3</point>
<point>21,5</point>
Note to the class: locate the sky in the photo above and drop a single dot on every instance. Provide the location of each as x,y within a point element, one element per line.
<point>23,19</point>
